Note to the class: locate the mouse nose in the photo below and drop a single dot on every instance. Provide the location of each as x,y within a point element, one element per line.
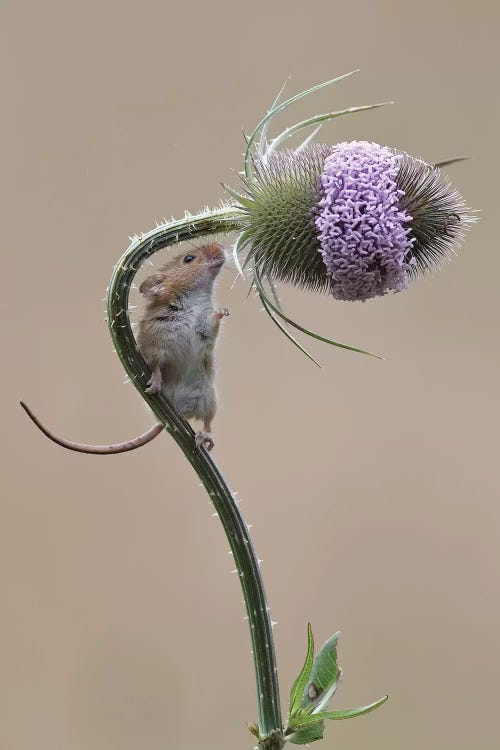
<point>215,253</point>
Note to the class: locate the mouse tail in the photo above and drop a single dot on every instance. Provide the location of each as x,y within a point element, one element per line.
<point>128,445</point>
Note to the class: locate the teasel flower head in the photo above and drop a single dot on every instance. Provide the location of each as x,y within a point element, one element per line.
<point>355,220</point>
<point>382,218</point>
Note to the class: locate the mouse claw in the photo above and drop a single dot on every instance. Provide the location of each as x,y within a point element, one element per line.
<point>222,312</point>
<point>204,440</point>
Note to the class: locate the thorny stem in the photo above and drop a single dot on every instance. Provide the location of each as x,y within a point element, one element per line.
<point>225,219</point>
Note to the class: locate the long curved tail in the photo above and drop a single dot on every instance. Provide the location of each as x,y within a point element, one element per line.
<point>128,445</point>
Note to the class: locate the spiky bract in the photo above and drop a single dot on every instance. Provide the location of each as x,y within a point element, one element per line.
<point>281,231</point>
<point>439,213</point>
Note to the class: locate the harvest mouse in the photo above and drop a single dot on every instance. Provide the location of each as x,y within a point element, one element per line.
<point>177,332</point>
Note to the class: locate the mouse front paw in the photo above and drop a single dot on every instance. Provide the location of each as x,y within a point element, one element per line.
<point>204,440</point>
<point>222,312</point>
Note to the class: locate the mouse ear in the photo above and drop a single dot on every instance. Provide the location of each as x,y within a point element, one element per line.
<point>151,287</point>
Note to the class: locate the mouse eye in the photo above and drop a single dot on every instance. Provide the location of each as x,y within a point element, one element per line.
<point>188,258</point>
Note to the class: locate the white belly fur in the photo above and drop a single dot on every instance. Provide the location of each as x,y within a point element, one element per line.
<point>187,367</point>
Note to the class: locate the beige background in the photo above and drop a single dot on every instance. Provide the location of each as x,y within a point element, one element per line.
<point>372,486</point>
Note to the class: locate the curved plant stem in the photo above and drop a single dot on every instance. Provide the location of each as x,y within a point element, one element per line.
<point>221,220</point>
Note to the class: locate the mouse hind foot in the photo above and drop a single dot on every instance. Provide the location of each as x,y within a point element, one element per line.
<point>155,381</point>
<point>204,440</point>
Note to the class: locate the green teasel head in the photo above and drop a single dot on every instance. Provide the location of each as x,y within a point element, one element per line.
<point>354,220</point>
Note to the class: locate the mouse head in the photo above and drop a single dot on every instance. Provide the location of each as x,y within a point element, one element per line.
<point>194,270</point>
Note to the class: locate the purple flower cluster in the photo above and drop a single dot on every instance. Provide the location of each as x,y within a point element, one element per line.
<point>362,230</point>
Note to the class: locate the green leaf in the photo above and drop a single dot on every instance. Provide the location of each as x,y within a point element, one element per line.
<point>351,713</point>
<point>307,734</point>
<point>242,199</point>
<point>302,719</point>
<point>315,120</point>
<point>275,294</point>
<point>274,110</point>
<point>301,681</point>
<point>306,727</point>
<point>323,678</point>
<point>282,328</point>
<point>448,162</point>
<point>254,729</point>
<point>241,242</point>
<point>263,135</point>
<point>260,289</point>
<point>309,138</point>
